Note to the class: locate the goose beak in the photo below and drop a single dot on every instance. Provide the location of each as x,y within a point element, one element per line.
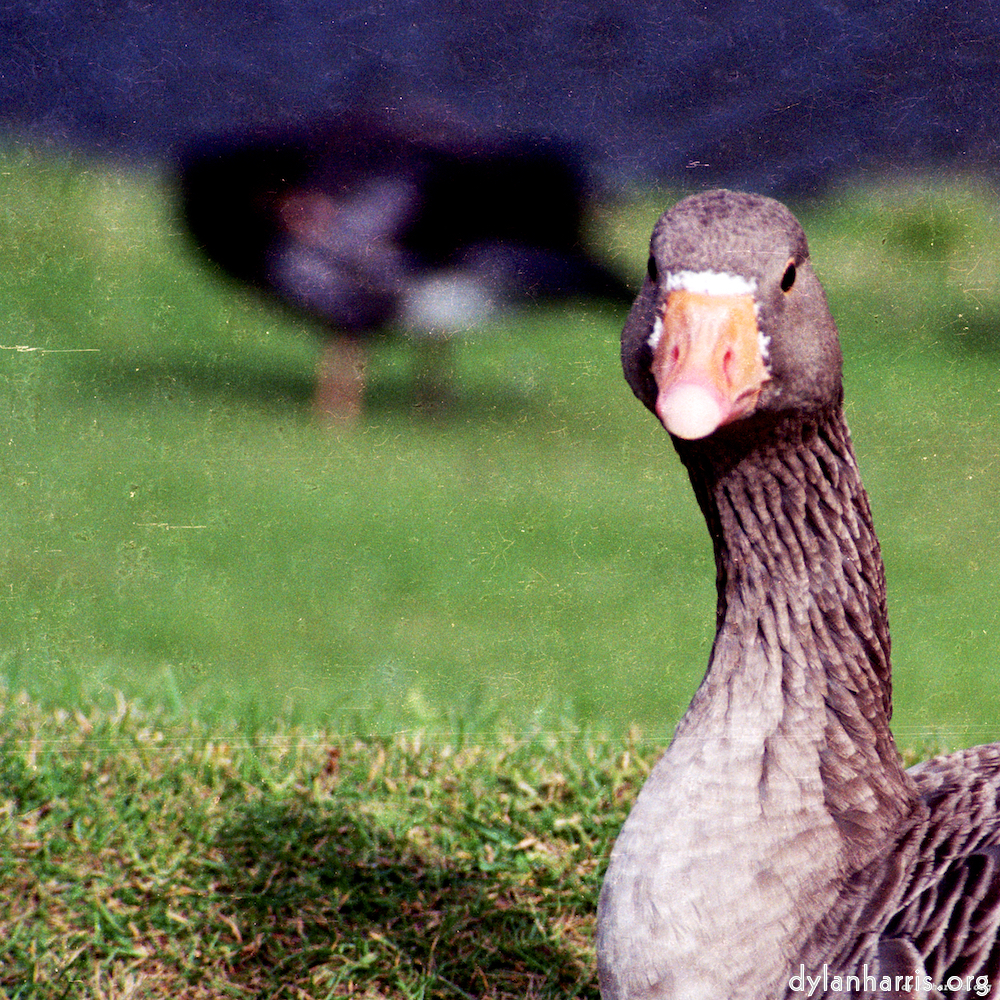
<point>708,361</point>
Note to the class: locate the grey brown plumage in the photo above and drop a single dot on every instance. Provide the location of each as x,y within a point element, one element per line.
<point>779,835</point>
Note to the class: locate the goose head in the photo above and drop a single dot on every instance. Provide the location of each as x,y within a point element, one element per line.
<point>731,327</point>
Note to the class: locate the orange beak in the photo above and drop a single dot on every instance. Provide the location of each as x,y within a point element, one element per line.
<point>708,362</point>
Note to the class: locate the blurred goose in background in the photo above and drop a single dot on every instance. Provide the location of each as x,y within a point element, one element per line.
<point>779,847</point>
<point>367,224</point>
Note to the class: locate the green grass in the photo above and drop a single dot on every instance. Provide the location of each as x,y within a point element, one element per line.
<point>174,525</point>
<point>178,527</point>
<point>295,713</point>
<point>142,859</point>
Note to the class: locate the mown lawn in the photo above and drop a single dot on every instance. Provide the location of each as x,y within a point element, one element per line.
<point>293,712</point>
<point>175,525</point>
<point>139,859</point>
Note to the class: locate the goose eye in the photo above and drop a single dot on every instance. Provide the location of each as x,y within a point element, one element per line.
<point>788,278</point>
<point>651,269</point>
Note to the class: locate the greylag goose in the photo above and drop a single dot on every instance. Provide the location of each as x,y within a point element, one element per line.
<point>367,224</point>
<point>779,848</point>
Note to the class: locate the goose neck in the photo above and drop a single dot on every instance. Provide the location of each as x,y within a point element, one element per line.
<point>801,653</point>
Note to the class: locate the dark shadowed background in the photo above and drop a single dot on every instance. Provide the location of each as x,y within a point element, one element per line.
<point>781,96</point>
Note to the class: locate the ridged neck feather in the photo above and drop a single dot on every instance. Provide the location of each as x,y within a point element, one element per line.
<point>799,572</point>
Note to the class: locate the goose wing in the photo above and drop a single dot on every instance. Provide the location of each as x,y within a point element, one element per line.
<point>950,911</point>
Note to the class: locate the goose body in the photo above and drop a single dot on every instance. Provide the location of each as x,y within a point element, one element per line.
<point>779,848</point>
<point>366,224</point>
